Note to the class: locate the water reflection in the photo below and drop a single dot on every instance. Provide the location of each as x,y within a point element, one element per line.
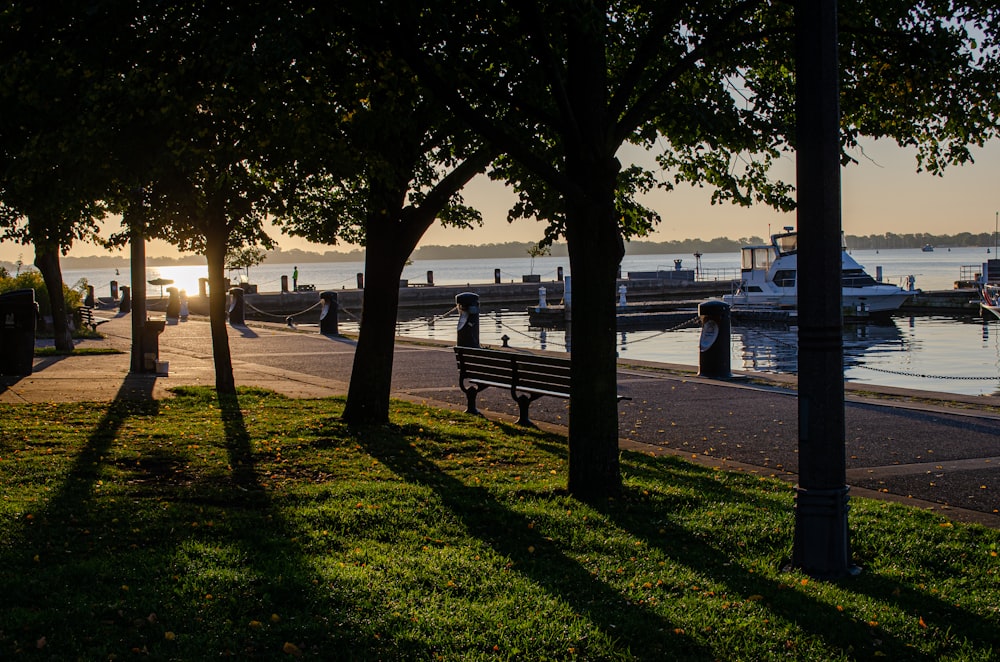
<point>953,354</point>
<point>774,348</point>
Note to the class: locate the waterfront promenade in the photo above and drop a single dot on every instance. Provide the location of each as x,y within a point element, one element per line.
<point>935,451</point>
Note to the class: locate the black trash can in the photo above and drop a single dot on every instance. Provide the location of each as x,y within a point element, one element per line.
<point>328,314</point>
<point>18,321</point>
<point>237,307</point>
<point>468,321</point>
<point>713,347</point>
<point>151,331</point>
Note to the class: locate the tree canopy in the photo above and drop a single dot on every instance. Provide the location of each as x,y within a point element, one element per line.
<point>710,86</point>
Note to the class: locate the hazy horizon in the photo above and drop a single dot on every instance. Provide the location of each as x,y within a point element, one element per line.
<point>882,193</point>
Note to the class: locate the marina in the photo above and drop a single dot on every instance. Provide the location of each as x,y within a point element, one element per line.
<point>951,350</point>
<point>769,282</point>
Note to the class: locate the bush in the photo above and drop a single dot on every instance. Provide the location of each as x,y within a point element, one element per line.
<point>32,279</point>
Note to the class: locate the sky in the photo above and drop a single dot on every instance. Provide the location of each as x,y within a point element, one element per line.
<point>882,193</point>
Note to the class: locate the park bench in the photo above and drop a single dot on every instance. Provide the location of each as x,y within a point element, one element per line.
<point>528,376</point>
<point>86,316</point>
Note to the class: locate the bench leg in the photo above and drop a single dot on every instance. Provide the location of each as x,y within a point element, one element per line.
<point>470,398</point>
<point>523,401</point>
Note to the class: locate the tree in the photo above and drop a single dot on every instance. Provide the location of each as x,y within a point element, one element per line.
<point>397,164</point>
<point>52,179</point>
<point>562,86</point>
<point>244,257</point>
<point>205,84</point>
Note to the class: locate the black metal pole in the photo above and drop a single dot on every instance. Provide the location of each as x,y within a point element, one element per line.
<point>821,547</point>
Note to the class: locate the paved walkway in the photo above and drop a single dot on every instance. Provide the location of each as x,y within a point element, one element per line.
<point>936,451</point>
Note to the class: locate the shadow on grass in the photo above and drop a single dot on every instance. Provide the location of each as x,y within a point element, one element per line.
<point>530,552</point>
<point>174,564</point>
<point>838,629</point>
<point>61,538</point>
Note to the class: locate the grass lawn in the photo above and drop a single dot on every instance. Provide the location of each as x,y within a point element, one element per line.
<point>191,529</point>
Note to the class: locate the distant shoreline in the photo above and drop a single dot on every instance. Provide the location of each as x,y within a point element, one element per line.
<point>520,249</point>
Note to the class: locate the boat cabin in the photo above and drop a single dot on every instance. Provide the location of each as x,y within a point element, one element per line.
<point>759,260</point>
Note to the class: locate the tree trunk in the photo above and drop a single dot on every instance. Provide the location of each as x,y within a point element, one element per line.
<point>595,250</point>
<point>391,237</point>
<point>386,250</point>
<point>215,253</point>
<point>47,261</point>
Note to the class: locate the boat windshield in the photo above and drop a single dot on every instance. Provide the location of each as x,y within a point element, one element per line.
<point>756,257</point>
<point>786,243</point>
<point>856,278</point>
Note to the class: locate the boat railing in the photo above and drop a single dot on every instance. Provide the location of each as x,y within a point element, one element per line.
<point>970,273</point>
<point>717,274</point>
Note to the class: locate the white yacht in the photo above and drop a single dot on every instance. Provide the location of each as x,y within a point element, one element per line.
<point>990,298</point>
<point>768,281</point>
<point>989,288</point>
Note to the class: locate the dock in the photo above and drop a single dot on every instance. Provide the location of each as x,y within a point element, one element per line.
<point>957,301</point>
<point>644,295</point>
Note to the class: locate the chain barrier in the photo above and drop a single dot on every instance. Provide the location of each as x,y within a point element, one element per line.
<point>682,325</point>
<point>428,322</point>
<point>281,317</point>
<point>924,376</point>
<point>348,313</point>
<point>510,328</point>
<point>435,318</point>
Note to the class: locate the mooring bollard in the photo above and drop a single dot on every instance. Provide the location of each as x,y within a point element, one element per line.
<point>559,274</point>
<point>89,299</point>
<point>237,311</point>
<point>621,296</point>
<point>126,303</point>
<point>114,290</point>
<point>184,305</point>
<point>541,298</point>
<point>496,276</point>
<point>203,287</point>
<point>328,315</point>
<point>713,360</point>
<point>284,284</point>
<point>173,303</point>
<point>468,321</point>
<point>361,281</point>
<point>430,277</point>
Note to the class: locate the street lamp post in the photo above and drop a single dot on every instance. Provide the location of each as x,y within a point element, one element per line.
<point>821,546</point>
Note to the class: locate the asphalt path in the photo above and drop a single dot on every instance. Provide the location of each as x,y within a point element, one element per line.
<point>917,447</point>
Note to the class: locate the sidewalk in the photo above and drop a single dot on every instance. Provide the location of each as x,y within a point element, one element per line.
<point>936,451</point>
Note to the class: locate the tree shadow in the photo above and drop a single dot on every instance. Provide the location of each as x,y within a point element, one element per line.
<point>237,438</point>
<point>531,553</point>
<point>112,574</point>
<point>837,629</point>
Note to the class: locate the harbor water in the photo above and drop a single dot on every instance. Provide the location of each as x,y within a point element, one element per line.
<point>951,354</point>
